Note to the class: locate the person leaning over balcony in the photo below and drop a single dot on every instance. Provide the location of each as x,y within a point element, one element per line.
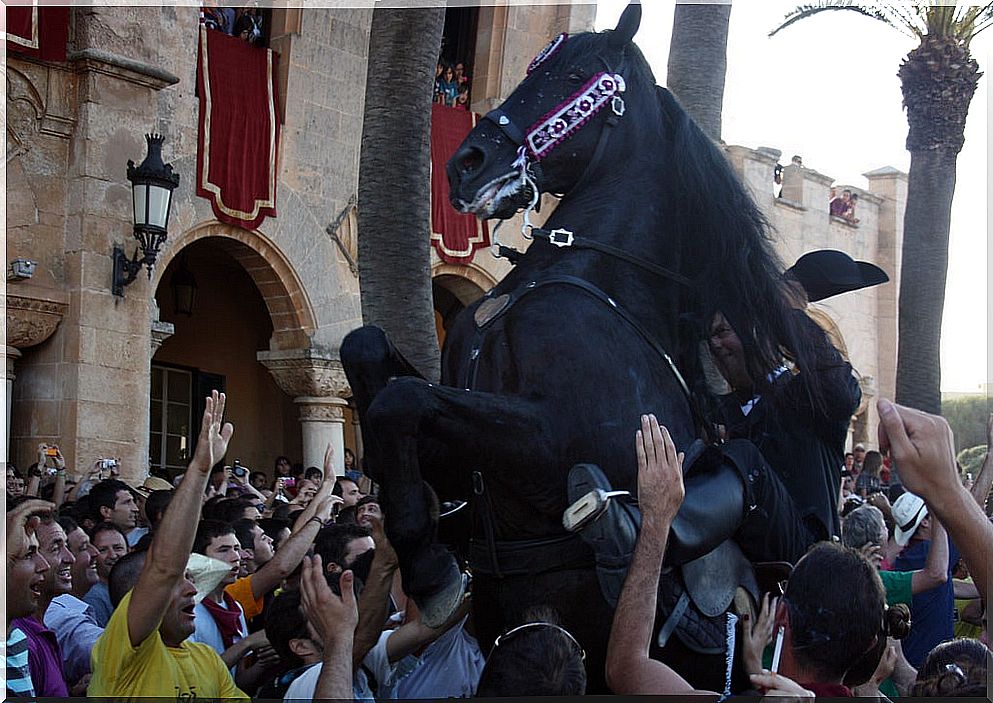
<point>144,650</point>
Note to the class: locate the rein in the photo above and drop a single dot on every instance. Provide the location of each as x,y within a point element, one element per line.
<point>563,239</point>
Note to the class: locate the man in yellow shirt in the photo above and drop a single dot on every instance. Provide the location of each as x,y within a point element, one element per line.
<point>143,651</point>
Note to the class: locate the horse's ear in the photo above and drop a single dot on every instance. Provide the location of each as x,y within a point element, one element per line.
<point>627,25</point>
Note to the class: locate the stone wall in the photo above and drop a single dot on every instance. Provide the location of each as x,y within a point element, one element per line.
<point>801,222</point>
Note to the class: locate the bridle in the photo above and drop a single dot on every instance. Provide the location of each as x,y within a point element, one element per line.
<point>540,139</point>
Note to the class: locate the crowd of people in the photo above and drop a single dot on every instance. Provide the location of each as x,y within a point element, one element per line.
<point>233,583</point>
<point>286,587</point>
<point>451,85</point>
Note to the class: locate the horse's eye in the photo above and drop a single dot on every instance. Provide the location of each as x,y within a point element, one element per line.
<point>575,78</point>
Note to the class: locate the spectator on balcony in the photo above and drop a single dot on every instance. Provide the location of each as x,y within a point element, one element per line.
<point>446,89</point>
<point>839,206</point>
<point>461,79</point>
<point>248,25</point>
<point>219,18</point>
<point>462,99</point>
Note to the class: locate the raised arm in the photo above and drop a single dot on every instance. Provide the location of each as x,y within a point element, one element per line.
<point>375,595</point>
<point>660,493</point>
<point>935,571</point>
<point>984,481</point>
<point>170,550</point>
<point>923,448</point>
<point>335,619</point>
<point>291,553</point>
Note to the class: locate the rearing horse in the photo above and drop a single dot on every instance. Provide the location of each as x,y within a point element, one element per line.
<point>556,364</point>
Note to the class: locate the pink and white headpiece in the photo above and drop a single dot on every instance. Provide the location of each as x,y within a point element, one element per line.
<point>552,129</point>
<point>547,52</point>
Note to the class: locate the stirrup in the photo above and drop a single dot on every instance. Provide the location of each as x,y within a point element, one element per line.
<point>589,508</point>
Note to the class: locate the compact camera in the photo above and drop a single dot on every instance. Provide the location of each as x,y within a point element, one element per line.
<point>238,470</point>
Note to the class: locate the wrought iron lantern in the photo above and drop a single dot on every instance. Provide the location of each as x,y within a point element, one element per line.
<point>152,184</point>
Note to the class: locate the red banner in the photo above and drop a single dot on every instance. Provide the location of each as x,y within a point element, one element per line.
<point>455,236</point>
<point>38,32</point>
<point>239,129</point>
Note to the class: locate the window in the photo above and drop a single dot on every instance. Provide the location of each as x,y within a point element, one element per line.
<point>170,440</point>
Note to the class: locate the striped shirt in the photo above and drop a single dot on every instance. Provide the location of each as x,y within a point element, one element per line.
<point>18,673</point>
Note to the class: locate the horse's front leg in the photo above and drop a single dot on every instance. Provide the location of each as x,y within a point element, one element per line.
<point>409,415</point>
<point>370,360</point>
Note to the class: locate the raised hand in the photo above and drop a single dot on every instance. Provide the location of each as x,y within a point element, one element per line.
<point>334,617</point>
<point>660,472</point>
<point>757,635</point>
<point>214,437</point>
<point>329,464</point>
<point>21,523</point>
<point>325,506</point>
<point>385,553</point>
<point>922,447</point>
<point>772,684</point>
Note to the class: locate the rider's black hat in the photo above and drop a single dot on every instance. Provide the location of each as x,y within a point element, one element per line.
<point>828,272</point>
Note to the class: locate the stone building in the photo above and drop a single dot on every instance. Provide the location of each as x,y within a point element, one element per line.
<point>120,376</point>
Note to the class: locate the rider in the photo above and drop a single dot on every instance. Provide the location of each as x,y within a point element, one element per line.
<point>800,435</point>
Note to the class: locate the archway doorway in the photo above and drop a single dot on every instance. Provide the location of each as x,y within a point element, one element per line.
<point>214,345</point>
<point>452,294</point>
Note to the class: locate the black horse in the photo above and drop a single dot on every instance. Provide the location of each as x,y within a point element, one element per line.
<point>556,364</point>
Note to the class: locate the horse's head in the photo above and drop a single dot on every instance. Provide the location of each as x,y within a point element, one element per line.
<point>545,135</point>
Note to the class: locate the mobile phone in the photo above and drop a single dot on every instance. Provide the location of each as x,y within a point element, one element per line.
<point>108,464</point>
<point>778,651</point>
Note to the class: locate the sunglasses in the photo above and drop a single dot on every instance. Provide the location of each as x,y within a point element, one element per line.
<point>510,633</point>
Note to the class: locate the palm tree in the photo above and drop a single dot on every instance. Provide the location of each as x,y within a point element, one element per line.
<point>938,78</point>
<point>394,205</point>
<point>698,62</point>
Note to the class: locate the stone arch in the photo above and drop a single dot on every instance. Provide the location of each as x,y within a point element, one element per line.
<point>293,318</point>
<point>468,283</point>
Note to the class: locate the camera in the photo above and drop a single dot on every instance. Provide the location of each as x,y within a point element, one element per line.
<point>238,470</point>
<point>51,451</point>
<point>108,464</point>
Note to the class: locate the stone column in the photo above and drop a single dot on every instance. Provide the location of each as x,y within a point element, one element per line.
<point>316,381</point>
<point>161,331</point>
<point>32,314</point>
<point>322,421</point>
<point>12,354</point>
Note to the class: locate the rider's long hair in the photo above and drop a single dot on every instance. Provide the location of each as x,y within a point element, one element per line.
<point>725,248</point>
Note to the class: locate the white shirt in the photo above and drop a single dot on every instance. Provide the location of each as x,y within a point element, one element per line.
<point>448,668</point>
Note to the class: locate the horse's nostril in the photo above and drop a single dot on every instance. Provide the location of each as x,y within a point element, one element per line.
<point>471,160</point>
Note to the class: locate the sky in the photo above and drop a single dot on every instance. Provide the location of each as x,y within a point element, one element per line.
<point>826,88</point>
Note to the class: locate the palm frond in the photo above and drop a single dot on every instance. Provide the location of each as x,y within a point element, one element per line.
<point>902,14</point>
<point>979,18</point>
<point>888,13</point>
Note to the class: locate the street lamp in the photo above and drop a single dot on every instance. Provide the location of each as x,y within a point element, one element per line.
<point>184,289</point>
<point>152,184</point>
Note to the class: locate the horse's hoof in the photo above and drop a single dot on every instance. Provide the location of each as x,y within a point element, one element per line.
<point>440,607</point>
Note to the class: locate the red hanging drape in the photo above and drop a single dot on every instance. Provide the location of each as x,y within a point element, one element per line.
<point>455,236</point>
<point>38,32</point>
<point>239,129</point>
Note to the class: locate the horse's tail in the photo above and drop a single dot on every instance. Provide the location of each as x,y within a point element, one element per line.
<point>727,250</point>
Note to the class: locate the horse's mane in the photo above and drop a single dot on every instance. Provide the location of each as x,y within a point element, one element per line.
<point>725,248</point>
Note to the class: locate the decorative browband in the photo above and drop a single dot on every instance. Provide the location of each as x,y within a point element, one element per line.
<point>563,121</point>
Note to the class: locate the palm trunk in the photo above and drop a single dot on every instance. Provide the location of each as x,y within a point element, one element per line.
<point>938,79</point>
<point>698,62</point>
<point>394,206</point>
<point>926,222</point>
